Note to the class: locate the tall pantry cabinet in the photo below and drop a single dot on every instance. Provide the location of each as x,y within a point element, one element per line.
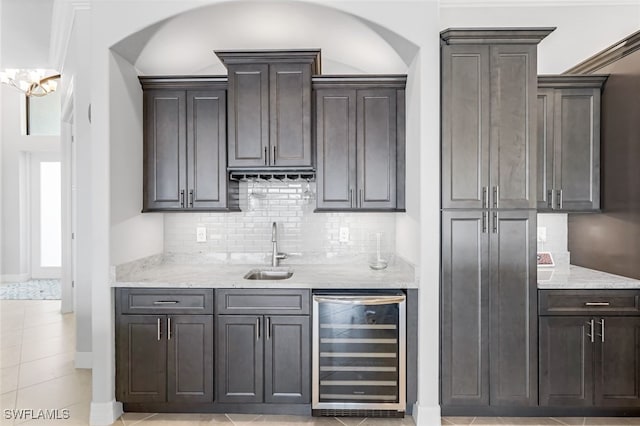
<point>488,272</point>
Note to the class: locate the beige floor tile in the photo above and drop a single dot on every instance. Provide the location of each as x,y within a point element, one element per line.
<point>11,338</point>
<point>351,421</point>
<point>238,419</point>
<point>51,330</point>
<point>9,379</point>
<point>177,419</point>
<point>36,320</point>
<point>57,393</point>
<point>569,421</point>
<point>10,356</point>
<point>14,322</point>
<point>612,421</point>
<point>41,306</point>
<point>536,421</point>
<point>129,419</point>
<point>324,421</point>
<point>38,349</point>
<point>44,369</point>
<point>289,420</point>
<point>487,421</point>
<point>445,422</point>
<point>407,421</point>
<point>461,421</point>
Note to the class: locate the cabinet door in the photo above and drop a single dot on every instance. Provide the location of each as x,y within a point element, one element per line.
<point>577,155</point>
<point>240,350</point>
<point>207,149</point>
<point>513,318</point>
<point>287,359</point>
<point>465,126</point>
<point>464,345</point>
<point>545,149</point>
<point>290,114</point>
<point>190,358</point>
<point>566,361</point>
<point>617,377</point>
<point>248,117</point>
<point>336,148</point>
<point>165,160</point>
<point>513,126</point>
<point>141,358</point>
<point>376,148</point>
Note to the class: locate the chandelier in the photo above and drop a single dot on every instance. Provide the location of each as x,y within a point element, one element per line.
<point>30,82</point>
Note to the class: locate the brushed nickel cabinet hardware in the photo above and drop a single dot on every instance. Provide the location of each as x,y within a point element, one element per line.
<point>496,196</point>
<point>361,198</point>
<point>159,335</point>
<point>560,199</point>
<point>596,303</point>
<point>602,328</point>
<point>485,199</point>
<point>485,225</point>
<point>268,326</point>
<point>169,328</point>
<point>258,328</point>
<point>265,156</point>
<point>591,328</point>
<point>495,223</point>
<point>166,302</point>
<point>273,160</point>
<point>351,197</point>
<point>550,197</point>
<point>191,198</point>
<point>182,198</point>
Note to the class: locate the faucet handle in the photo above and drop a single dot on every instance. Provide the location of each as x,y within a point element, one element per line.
<point>282,256</point>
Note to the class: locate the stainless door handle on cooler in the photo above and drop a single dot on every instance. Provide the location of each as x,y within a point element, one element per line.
<point>360,300</point>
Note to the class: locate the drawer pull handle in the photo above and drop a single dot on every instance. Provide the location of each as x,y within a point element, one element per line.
<point>166,302</point>
<point>596,304</point>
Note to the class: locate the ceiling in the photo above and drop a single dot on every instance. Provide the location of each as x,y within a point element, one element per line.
<point>25,30</point>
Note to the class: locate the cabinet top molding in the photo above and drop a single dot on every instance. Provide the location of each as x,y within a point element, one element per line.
<point>571,81</point>
<point>182,82</point>
<point>608,56</point>
<point>495,35</point>
<point>398,81</point>
<point>297,56</point>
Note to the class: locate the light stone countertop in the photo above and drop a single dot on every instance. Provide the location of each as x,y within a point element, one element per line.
<point>577,277</point>
<point>335,276</point>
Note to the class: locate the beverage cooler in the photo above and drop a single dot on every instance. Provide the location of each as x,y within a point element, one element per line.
<point>359,354</point>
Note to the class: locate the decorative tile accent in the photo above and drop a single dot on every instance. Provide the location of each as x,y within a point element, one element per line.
<point>31,290</point>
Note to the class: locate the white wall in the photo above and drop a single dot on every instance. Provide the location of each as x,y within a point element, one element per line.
<point>133,235</point>
<point>15,262</point>
<point>26,25</point>
<point>581,31</point>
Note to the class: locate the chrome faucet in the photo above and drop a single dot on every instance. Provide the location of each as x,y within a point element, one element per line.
<point>275,256</point>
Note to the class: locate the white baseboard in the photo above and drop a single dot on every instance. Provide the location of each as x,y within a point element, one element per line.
<point>15,278</point>
<point>426,415</point>
<point>105,413</point>
<point>84,360</point>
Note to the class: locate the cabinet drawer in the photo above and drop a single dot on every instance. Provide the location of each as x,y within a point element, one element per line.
<point>165,301</point>
<point>589,302</point>
<point>262,301</point>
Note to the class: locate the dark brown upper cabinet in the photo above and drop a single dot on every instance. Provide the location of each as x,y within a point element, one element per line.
<point>269,117</point>
<point>489,117</point>
<point>185,145</point>
<point>569,142</point>
<point>360,142</point>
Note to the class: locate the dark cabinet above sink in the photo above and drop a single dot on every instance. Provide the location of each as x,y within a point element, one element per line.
<point>269,108</point>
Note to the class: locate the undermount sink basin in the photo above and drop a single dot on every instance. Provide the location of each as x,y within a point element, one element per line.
<point>268,274</point>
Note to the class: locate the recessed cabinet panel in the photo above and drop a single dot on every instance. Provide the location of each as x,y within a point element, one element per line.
<point>287,359</point>
<point>465,303</point>
<point>577,157</point>
<point>240,350</point>
<point>190,358</point>
<point>142,358</point>
<point>165,144</point>
<point>290,86</point>
<point>376,147</point>
<point>566,360</point>
<point>248,115</point>
<point>618,362</point>
<point>513,296</point>
<point>545,149</point>
<point>207,148</point>
<point>336,144</point>
<point>513,106</point>
<point>465,130</point>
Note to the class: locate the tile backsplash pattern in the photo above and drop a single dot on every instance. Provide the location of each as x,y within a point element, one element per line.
<point>246,236</point>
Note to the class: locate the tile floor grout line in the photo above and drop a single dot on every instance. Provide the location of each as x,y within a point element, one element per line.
<point>559,421</point>
<point>138,421</point>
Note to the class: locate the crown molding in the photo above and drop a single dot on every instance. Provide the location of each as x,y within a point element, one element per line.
<point>495,35</point>
<point>571,81</point>
<point>607,56</point>
<point>63,16</point>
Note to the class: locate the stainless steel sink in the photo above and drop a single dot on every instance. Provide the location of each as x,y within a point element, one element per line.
<point>268,274</point>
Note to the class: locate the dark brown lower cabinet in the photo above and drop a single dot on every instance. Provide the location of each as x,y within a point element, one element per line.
<point>263,358</point>
<point>590,361</point>
<point>165,358</point>
<point>488,309</point>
